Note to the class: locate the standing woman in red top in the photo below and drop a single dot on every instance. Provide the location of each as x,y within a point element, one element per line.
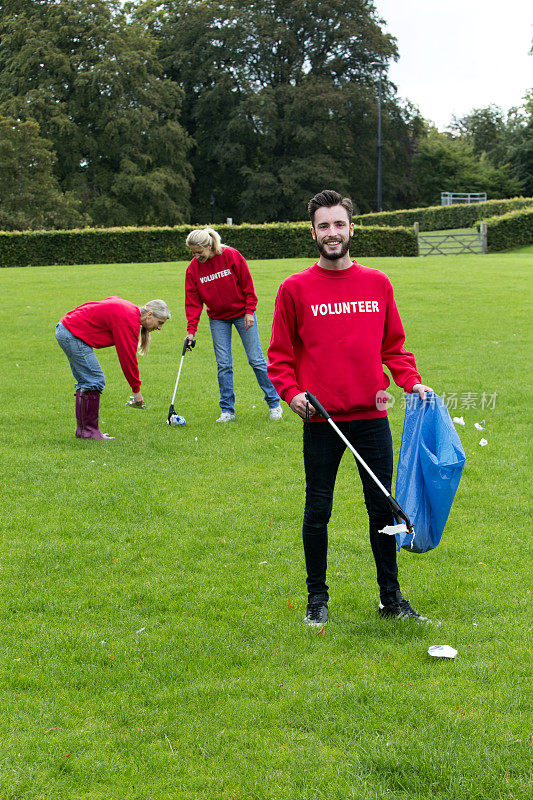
<point>106,323</point>
<point>218,276</point>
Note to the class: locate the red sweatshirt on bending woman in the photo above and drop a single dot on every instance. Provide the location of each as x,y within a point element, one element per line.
<point>99,324</point>
<point>109,322</point>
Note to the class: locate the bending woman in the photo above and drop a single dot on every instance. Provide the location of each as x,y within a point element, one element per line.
<point>106,323</point>
<point>218,276</point>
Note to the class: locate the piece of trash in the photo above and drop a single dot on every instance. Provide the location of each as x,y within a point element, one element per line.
<point>263,562</point>
<point>392,530</point>
<point>253,406</point>
<point>442,651</point>
<point>196,438</point>
<point>459,420</point>
<point>290,604</point>
<point>92,460</point>
<point>141,630</point>
<point>132,403</point>
<point>483,442</point>
<point>480,426</point>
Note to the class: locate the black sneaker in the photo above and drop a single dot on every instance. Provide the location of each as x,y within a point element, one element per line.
<point>401,609</point>
<point>317,610</point>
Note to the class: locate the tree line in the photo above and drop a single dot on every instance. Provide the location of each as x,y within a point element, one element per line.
<point>158,113</point>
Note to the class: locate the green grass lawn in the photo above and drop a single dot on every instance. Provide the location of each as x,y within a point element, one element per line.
<point>153,588</point>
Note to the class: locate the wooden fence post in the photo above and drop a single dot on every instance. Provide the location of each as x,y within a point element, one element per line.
<point>416,228</point>
<point>483,236</point>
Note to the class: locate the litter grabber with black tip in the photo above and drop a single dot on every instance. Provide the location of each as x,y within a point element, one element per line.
<point>172,417</point>
<point>404,523</point>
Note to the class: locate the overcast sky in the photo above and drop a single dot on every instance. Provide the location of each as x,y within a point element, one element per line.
<point>456,55</point>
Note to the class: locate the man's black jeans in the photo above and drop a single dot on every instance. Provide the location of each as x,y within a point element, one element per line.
<point>323,450</point>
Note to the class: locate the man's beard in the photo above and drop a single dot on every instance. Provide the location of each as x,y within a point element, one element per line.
<point>333,256</point>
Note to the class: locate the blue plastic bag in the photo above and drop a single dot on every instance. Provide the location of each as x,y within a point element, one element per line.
<point>430,466</point>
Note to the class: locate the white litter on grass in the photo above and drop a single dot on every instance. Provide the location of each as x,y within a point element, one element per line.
<point>196,438</point>
<point>141,630</point>
<point>483,442</point>
<point>442,651</point>
<point>480,426</point>
<point>263,562</point>
<point>459,420</point>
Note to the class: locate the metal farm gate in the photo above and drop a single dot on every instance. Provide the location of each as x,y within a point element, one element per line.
<point>452,243</point>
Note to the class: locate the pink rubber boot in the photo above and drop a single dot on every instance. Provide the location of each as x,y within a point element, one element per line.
<point>90,407</point>
<point>79,417</point>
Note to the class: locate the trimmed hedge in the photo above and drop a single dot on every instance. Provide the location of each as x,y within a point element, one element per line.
<point>146,245</point>
<point>509,231</point>
<point>441,218</point>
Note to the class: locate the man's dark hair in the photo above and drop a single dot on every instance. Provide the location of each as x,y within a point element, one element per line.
<point>329,198</point>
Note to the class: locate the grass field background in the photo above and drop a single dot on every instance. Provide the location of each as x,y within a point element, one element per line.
<point>153,588</point>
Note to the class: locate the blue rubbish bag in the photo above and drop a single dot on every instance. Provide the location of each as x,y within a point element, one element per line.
<point>430,466</point>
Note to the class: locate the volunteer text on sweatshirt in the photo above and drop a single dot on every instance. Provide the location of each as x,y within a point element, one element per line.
<point>331,334</point>
<point>223,283</point>
<point>109,322</point>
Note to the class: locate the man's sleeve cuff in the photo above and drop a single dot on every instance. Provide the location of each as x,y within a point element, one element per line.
<point>412,382</point>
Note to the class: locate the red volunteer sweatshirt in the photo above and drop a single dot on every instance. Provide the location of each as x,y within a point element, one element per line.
<point>109,322</point>
<point>331,334</point>
<point>223,283</point>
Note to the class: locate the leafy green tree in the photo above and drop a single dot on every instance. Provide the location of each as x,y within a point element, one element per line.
<point>484,129</point>
<point>446,164</point>
<point>281,100</point>
<point>30,197</point>
<point>520,144</point>
<point>503,140</point>
<point>89,76</point>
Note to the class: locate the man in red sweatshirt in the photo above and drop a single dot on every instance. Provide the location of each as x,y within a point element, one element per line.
<point>335,325</point>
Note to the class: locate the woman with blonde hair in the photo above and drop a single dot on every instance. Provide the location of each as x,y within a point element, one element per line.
<point>219,278</point>
<point>99,324</point>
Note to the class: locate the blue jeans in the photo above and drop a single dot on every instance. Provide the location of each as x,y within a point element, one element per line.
<point>323,450</point>
<point>83,362</point>
<point>221,330</point>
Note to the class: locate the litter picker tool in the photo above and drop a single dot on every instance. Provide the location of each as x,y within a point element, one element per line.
<point>173,418</point>
<point>396,509</point>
